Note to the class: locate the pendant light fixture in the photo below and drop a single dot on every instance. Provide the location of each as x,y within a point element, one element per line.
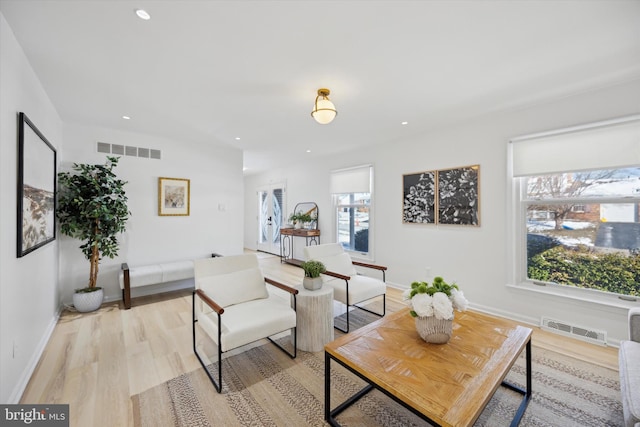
<point>323,110</point>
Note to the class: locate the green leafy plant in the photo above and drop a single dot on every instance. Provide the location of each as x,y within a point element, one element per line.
<point>583,267</point>
<point>300,217</point>
<point>313,268</point>
<point>92,206</point>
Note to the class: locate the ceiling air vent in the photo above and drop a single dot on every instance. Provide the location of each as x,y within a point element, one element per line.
<point>585,334</point>
<point>127,150</point>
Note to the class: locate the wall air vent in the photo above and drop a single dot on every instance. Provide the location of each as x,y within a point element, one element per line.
<point>593,336</point>
<point>103,147</point>
<point>127,150</point>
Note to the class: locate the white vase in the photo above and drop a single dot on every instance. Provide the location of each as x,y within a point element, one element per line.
<point>88,301</point>
<point>434,330</point>
<point>312,283</point>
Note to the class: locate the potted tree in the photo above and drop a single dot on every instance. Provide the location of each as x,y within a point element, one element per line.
<point>92,207</point>
<point>312,271</point>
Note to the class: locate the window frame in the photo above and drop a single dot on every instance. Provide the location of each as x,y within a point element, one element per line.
<point>336,209</point>
<point>516,224</point>
<point>358,255</point>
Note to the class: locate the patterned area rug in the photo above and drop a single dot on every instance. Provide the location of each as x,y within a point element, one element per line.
<point>264,387</point>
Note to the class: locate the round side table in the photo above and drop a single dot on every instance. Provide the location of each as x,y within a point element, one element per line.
<point>314,318</point>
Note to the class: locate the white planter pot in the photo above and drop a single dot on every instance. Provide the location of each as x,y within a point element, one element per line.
<point>88,301</point>
<point>312,283</point>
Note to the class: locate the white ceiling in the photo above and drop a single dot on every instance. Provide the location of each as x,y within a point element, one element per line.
<point>211,71</point>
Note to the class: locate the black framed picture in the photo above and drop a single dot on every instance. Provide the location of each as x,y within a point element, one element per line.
<point>36,188</point>
<point>419,196</point>
<point>459,195</point>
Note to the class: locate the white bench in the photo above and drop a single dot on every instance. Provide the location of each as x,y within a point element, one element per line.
<point>133,277</point>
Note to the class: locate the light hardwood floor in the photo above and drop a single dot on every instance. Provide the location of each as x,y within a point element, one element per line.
<point>96,361</point>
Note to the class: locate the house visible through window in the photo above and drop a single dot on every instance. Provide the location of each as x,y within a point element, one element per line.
<point>351,192</point>
<point>578,216</point>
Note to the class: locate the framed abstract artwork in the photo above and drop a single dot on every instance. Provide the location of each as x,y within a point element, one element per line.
<point>36,188</point>
<point>459,196</point>
<point>173,196</point>
<point>419,198</point>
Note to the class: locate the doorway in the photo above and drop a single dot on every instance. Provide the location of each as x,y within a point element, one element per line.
<point>271,211</point>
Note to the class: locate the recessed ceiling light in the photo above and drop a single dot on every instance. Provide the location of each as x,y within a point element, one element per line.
<point>404,123</point>
<point>308,151</point>
<point>126,117</point>
<point>143,14</point>
<point>237,138</point>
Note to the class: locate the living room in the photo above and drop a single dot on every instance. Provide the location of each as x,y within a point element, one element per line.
<point>223,202</point>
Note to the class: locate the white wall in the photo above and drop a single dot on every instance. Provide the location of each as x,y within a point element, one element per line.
<point>29,297</point>
<point>33,288</point>
<point>474,257</point>
<point>215,223</point>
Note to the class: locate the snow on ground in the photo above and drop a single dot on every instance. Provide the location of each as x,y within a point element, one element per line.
<point>567,241</point>
<point>542,226</point>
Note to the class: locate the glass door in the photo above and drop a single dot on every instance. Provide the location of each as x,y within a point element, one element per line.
<point>271,211</point>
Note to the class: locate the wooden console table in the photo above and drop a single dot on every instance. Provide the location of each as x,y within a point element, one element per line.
<point>312,237</point>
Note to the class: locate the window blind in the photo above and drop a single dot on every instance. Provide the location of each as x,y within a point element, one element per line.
<point>352,180</point>
<point>604,145</point>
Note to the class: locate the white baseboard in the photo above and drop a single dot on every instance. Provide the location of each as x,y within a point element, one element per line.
<point>28,371</point>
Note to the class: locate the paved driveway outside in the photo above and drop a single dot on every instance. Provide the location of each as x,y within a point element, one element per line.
<point>618,235</point>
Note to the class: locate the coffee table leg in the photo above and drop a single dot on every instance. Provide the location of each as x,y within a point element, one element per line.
<point>327,388</point>
<point>526,394</point>
<point>329,415</point>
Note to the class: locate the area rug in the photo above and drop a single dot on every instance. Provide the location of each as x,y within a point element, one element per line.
<point>264,387</point>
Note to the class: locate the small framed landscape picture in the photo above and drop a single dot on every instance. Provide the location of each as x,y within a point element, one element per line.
<point>419,196</point>
<point>459,196</point>
<point>173,196</point>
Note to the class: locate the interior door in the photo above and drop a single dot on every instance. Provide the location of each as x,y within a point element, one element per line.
<point>271,211</point>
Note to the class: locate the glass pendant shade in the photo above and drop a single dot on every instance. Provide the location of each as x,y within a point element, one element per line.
<point>324,111</point>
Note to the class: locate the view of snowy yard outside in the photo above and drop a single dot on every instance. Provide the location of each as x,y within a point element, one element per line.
<point>568,235</point>
<point>592,216</point>
<point>353,221</point>
<point>574,232</point>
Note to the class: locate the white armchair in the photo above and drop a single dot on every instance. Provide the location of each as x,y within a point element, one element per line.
<point>349,287</point>
<point>232,305</point>
<point>629,368</point>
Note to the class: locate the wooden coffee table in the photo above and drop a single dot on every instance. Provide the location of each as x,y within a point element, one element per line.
<point>445,384</point>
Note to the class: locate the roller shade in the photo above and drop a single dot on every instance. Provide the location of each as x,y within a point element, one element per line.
<point>352,180</point>
<point>605,145</point>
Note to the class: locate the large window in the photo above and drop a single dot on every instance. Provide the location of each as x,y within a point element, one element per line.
<point>351,191</point>
<point>577,219</point>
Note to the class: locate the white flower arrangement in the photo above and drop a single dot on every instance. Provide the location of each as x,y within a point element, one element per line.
<point>438,299</point>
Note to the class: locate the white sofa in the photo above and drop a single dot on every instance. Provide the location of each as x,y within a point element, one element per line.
<point>629,365</point>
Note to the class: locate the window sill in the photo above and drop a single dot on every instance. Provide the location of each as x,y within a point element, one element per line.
<point>600,298</point>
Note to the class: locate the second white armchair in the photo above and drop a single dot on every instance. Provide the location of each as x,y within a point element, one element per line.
<point>349,287</point>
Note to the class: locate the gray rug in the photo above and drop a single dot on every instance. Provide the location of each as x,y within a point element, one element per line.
<point>264,387</point>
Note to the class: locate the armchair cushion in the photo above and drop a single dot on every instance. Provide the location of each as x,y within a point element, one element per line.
<point>634,324</point>
<point>249,322</point>
<point>361,288</point>
<point>333,256</point>
<point>233,288</point>
<point>629,355</point>
<point>340,264</point>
